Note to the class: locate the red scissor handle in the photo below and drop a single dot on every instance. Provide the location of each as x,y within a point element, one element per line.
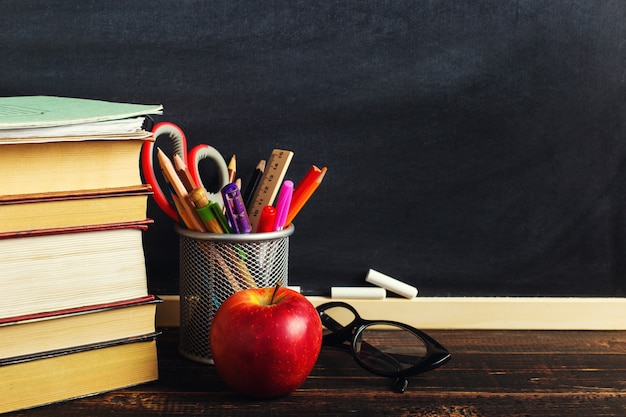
<point>179,146</point>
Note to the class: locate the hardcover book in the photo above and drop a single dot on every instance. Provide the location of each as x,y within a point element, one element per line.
<point>55,269</point>
<point>64,329</point>
<point>73,208</point>
<point>40,379</point>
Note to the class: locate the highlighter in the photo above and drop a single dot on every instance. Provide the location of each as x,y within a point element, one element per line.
<point>235,209</point>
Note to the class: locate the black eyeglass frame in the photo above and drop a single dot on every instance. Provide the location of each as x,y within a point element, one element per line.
<point>436,355</point>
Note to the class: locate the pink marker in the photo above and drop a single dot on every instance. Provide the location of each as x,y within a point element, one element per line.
<point>282,204</point>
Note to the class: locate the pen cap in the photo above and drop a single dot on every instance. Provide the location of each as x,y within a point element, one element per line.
<point>266,222</point>
<point>205,214</point>
<point>235,209</point>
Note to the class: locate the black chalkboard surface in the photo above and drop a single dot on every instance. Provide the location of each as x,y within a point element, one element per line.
<point>473,147</point>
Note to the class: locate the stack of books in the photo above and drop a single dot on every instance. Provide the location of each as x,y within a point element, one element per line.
<point>76,317</point>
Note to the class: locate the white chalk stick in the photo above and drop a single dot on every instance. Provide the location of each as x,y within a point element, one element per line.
<point>295,288</point>
<point>391,284</point>
<point>371,293</point>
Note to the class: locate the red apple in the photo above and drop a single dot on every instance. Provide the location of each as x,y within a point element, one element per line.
<point>265,341</point>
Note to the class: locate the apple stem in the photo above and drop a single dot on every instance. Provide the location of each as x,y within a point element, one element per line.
<point>276,287</point>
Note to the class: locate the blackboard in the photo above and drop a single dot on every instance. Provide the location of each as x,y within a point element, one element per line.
<point>473,147</point>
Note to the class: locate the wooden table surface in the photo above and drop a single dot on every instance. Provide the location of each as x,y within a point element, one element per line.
<point>492,373</point>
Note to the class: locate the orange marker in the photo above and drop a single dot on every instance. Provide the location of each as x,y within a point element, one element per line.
<point>304,194</point>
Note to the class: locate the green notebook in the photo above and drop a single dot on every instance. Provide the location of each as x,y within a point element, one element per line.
<point>48,111</point>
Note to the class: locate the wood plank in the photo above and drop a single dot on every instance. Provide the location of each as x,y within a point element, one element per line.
<point>492,373</point>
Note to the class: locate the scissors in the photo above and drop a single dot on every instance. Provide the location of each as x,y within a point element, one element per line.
<point>191,159</point>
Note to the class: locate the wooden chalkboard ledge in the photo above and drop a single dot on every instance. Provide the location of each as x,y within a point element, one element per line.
<point>488,313</point>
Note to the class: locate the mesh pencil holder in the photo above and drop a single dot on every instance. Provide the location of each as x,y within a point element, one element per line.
<point>215,266</point>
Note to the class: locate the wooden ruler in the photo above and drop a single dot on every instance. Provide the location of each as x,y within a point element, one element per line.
<point>270,183</point>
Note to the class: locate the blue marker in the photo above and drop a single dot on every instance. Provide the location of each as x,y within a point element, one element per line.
<point>235,209</point>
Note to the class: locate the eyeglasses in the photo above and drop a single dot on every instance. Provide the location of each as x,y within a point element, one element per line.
<point>404,352</point>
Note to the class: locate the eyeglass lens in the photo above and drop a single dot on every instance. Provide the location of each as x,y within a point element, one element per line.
<point>389,348</point>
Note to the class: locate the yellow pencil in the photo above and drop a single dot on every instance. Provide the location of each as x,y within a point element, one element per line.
<point>172,178</point>
<point>184,174</point>
<point>232,168</point>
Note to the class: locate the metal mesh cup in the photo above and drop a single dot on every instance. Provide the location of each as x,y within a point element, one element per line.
<point>215,266</point>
